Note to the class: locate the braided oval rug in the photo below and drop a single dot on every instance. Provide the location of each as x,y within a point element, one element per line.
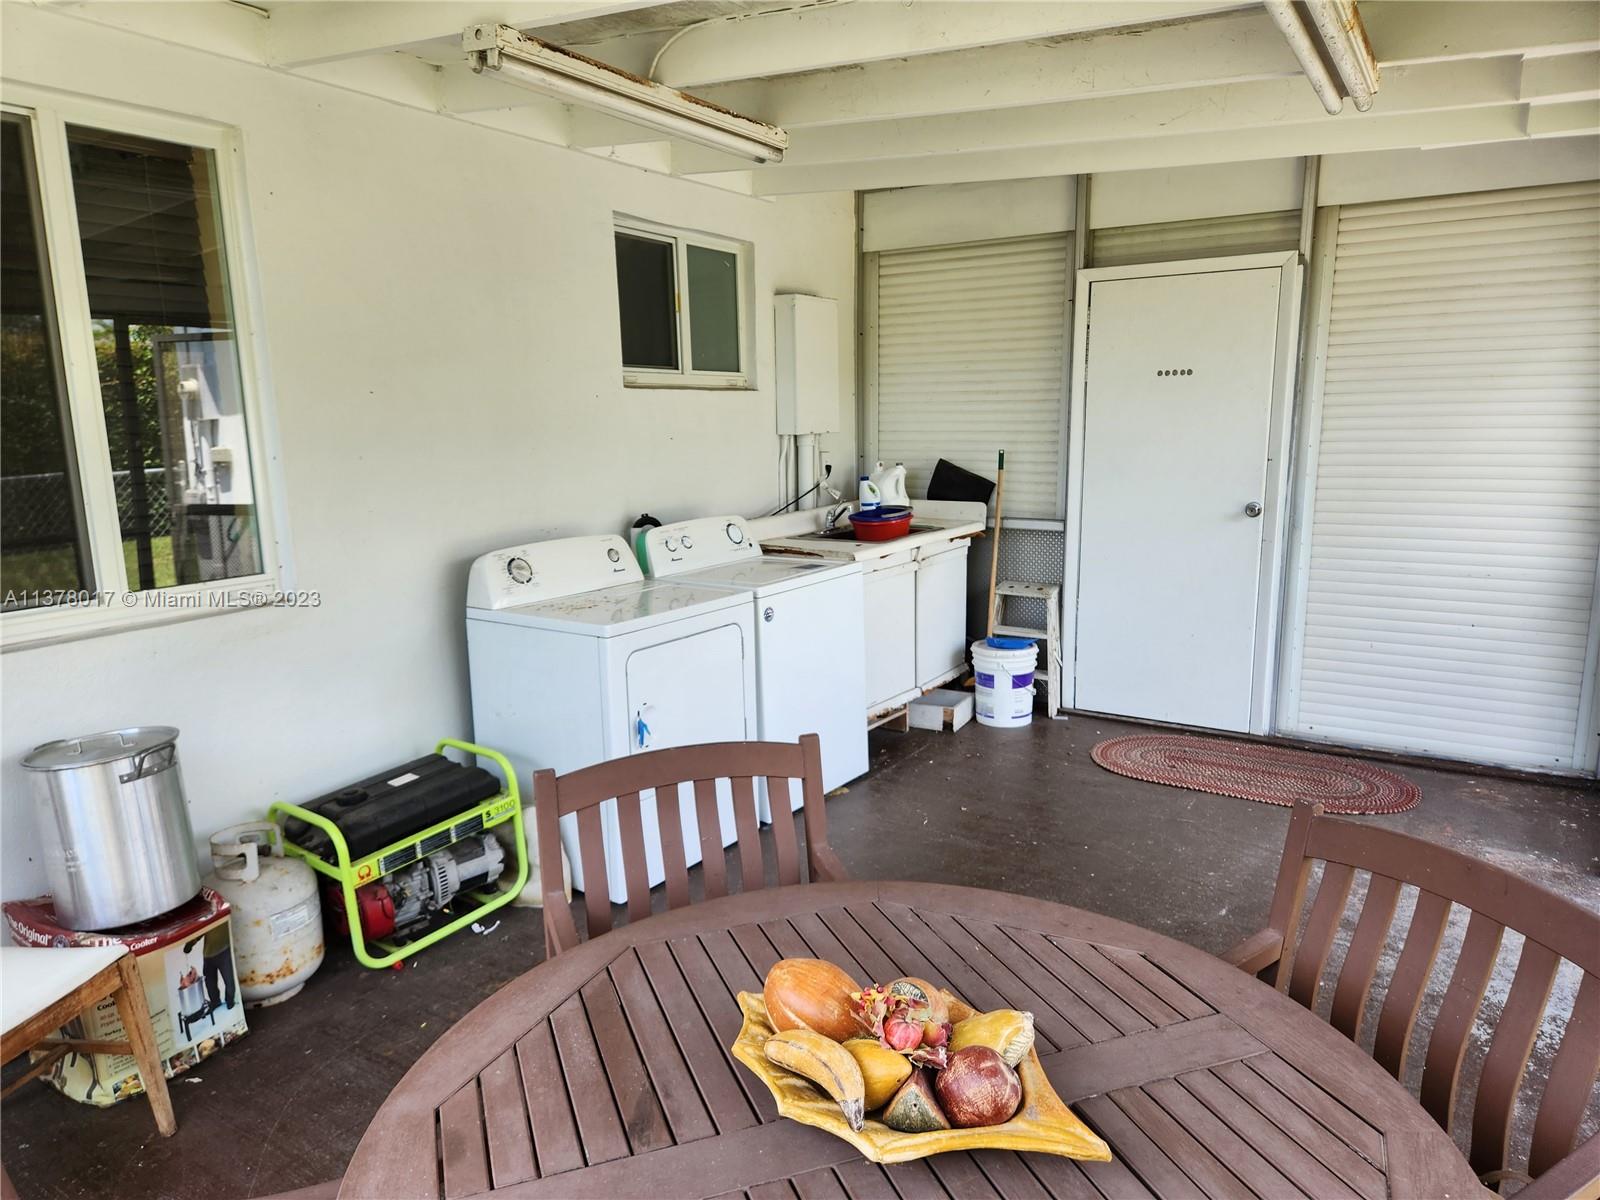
<point>1253,771</point>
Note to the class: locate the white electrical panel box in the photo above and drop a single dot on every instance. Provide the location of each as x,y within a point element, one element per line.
<point>808,364</point>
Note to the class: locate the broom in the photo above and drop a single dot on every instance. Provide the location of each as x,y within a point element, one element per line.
<point>994,550</point>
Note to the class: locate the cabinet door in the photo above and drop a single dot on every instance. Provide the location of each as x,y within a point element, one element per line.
<point>941,616</point>
<point>891,635</point>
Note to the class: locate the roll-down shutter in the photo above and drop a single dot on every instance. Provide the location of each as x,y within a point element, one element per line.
<point>969,358</point>
<point>1456,516</point>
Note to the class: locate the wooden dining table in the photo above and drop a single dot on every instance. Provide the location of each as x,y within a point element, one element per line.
<point>605,1072</point>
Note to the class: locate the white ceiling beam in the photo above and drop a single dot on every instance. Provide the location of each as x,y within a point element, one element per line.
<point>1561,77</point>
<point>828,36</point>
<point>1229,48</point>
<point>300,34</point>
<point>1410,31</point>
<point>1563,120</point>
<point>1260,104</point>
<point>1223,49</point>
<point>1328,136</point>
<point>215,26</point>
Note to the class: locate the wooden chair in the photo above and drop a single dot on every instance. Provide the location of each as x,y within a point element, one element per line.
<point>45,988</point>
<point>622,779</point>
<point>1554,927</point>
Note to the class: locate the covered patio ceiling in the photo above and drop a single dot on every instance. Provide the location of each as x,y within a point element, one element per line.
<point>881,94</point>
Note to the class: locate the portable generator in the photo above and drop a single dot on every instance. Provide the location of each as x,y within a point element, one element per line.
<point>405,849</point>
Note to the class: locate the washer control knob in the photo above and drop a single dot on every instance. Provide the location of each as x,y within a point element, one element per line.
<point>669,544</point>
<point>614,554</point>
<point>686,543</point>
<point>735,534</point>
<point>520,569</point>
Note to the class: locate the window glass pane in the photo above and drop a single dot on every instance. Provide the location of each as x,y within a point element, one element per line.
<point>42,546</point>
<point>151,231</point>
<point>713,309</point>
<point>646,293</point>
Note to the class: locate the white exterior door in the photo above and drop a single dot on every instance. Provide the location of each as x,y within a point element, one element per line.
<point>1177,412</point>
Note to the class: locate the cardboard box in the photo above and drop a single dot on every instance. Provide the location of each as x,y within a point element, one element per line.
<point>190,982</point>
<point>940,707</point>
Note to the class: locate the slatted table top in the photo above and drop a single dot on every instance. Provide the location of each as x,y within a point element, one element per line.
<point>605,1072</point>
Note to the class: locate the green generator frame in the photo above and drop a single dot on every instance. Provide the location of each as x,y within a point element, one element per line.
<point>351,874</point>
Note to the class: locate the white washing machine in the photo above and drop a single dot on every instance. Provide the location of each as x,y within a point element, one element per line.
<point>576,658</point>
<point>810,636</point>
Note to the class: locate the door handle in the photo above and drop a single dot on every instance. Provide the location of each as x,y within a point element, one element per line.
<point>1253,509</point>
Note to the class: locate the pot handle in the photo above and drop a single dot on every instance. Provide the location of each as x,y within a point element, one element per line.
<point>151,762</point>
<point>236,850</point>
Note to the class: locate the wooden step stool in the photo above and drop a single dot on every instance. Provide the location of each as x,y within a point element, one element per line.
<point>1050,635</point>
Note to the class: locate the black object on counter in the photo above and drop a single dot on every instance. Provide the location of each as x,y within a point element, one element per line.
<point>394,804</point>
<point>951,482</point>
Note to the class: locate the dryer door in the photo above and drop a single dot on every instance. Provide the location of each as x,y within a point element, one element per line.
<point>681,693</point>
<point>687,691</point>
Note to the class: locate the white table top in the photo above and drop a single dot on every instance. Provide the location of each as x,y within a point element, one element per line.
<point>32,978</point>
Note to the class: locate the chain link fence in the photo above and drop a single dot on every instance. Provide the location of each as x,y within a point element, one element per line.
<point>37,509</point>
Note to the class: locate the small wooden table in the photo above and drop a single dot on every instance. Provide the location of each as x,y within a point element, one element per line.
<point>605,1073</point>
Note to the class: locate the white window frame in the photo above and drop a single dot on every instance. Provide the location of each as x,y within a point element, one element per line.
<point>686,376</point>
<point>110,605</point>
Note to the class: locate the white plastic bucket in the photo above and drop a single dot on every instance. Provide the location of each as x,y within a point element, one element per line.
<point>1005,681</point>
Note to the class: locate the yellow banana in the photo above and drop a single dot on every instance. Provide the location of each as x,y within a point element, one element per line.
<point>825,1063</point>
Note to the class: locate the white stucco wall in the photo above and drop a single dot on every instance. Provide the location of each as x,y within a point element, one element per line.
<point>439,311</point>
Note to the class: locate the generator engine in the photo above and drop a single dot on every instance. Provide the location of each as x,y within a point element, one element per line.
<point>410,896</point>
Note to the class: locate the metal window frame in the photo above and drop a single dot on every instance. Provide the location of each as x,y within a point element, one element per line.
<point>686,377</point>
<point>112,607</point>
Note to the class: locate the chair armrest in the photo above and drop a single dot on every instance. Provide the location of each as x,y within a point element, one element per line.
<point>825,865</point>
<point>1257,952</point>
<point>1575,1177</point>
<point>560,933</point>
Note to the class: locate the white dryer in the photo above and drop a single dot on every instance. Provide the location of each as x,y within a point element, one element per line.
<point>576,658</point>
<point>810,635</point>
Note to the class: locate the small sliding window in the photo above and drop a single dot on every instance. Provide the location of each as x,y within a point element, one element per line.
<point>683,306</point>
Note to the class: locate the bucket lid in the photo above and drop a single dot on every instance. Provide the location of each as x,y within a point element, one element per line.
<point>1009,643</point>
<point>98,748</point>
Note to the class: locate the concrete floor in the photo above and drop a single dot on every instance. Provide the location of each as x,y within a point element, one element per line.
<point>1022,811</point>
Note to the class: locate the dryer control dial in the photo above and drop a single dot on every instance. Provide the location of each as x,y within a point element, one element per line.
<point>735,534</point>
<point>520,570</point>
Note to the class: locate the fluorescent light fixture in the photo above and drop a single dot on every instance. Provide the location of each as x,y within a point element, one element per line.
<point>531,63</point>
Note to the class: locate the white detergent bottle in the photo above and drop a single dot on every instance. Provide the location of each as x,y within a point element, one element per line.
<point>868,497</point>
<point>891,483</point>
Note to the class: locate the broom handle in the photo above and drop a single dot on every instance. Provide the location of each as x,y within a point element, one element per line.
<point>994,550</point>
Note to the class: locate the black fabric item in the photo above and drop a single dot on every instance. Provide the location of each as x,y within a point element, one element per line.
<point>951,482</point>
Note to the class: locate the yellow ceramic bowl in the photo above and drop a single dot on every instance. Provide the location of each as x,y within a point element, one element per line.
<point>1042,1124</point>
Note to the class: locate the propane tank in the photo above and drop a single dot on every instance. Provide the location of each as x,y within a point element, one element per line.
<point>277,916</point>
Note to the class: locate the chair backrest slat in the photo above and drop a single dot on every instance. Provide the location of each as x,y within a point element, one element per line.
<point>630,783</point>
<point>630,830</point>
<point>1312,956</point>
<point>1554,928</point>
<point>783,838</point>
<point>1507,1059</point>
<point>712,865</point>
<point>1409,982</point>
<point>1572,1076</point>
<point>1361,960</point>
<point>752,874</point>
<point>1441,1069</point>
<point>597,887</point>
<point>669,821</point>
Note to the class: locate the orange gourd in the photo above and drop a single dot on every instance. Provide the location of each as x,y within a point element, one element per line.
<point>808,993</point>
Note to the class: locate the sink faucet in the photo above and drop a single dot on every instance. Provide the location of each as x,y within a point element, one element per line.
<point>835,514</point>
